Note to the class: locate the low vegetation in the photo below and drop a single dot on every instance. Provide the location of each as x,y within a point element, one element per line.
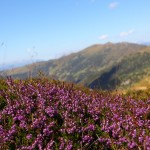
<point>104,66</point>
<point>42,114</point>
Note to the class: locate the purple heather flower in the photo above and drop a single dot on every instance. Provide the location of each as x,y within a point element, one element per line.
<point>49,145</point>
<point>29,136</point>
<point>132,145</point>
<point>134,133</point>
<point>69,145</point>
<point>87,138</point>
<point>23,124</point>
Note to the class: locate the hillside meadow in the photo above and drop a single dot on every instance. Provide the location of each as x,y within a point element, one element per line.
<point>106,66</point>
<point>42,114</point>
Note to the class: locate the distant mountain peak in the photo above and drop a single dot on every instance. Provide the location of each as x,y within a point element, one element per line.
<point>109,43</point>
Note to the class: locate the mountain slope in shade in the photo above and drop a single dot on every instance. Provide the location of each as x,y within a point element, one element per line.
<point>125,74</point>
<point>86,66</point>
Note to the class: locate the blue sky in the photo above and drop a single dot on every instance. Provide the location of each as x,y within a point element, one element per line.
<point>46,29</point>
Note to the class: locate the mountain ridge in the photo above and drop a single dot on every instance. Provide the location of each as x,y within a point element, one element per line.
<point>85,66</point>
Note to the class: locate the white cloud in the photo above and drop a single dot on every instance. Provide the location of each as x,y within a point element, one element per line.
<point>103,37</point>
<point>123,34</point>
<point>113,5</point>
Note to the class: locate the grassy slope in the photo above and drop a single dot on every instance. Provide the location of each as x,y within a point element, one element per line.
<point>143,84</point>
<point>83,67</point>
<point>126,73</point>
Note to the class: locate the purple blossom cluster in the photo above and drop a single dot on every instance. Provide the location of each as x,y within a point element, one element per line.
<point>45,115</point>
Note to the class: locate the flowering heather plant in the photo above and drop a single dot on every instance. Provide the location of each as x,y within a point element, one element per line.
<point>45,115</point>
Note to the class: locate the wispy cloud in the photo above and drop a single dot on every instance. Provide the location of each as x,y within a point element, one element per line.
<point>113,5</point>
<point>127,33</point>
<point>103,37</point>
